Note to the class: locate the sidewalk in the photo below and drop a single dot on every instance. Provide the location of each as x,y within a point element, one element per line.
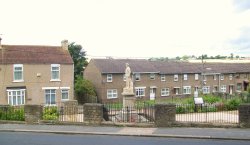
<point>198,133</point>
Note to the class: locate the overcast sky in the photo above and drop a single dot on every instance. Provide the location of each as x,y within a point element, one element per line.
<point>131,28</point>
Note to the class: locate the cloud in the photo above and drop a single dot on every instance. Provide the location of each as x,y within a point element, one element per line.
<point>241,5</point>
<point>242,42</point>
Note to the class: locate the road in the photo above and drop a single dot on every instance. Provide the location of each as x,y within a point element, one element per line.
<point>28,138</point>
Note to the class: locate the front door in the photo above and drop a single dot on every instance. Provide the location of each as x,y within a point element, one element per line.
<point>231,89</point>
<point>152,93</point>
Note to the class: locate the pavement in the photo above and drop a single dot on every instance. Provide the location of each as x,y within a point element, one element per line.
<point>195,133</point>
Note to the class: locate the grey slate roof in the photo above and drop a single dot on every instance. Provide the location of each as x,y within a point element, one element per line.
<point>161,67</point>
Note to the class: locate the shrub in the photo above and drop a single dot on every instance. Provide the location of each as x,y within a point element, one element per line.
<point>211,99</point>
<point>12,113</point>
<point>180,109</point>
<point>233,104</point>
<point>50,113</point>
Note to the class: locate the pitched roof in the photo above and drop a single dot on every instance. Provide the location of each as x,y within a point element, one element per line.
<point>29,54</point>
<point>147,66</point>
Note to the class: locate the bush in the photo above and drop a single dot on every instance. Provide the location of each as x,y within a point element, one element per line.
<point>211,99</point>
<point>233,104</point>
<point>50,113</point>
<point>12,113</point>
<point>180,109</point>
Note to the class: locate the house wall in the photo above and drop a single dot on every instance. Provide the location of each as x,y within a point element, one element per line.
<point>34,93</point>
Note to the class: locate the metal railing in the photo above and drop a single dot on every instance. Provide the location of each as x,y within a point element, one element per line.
<point>15,113</point>
<point>140,113</point>
<point>208,113</point>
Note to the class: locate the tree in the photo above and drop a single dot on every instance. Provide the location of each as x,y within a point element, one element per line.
<point>78,55</point>
<point>232,56</point>
<point>85,91</point>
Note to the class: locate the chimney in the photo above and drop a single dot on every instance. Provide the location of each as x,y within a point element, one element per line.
<point>65,44</point>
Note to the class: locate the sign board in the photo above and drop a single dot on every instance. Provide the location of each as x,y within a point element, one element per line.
<point>198,101</point>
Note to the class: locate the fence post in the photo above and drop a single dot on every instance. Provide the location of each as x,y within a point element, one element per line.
<point>93,113</point>
<point>244,115</point>
<point>165,115</point>
<point>33,113</point>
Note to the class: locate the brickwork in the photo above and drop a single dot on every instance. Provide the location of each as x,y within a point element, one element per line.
<point>164,115</point>
<point>244,115</point>
<point>93,113</point>
<point>33,113</point>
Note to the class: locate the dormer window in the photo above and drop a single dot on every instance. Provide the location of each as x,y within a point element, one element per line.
<point>175,77</point>
<point>137,77</point>
<point>109,78</point>
<point>163,78</point>
<point>185,77</point>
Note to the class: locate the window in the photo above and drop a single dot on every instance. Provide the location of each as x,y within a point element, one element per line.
<point>65,94</point>
<point>206,89</point>
<point>176,90</point>
<point>163,78</point>
<point>185,77</point>
<point>152,76</point>
<point>221,77</point>
<point>112,93</point>
<point>196,77</point>
<point>186,89</point>
<point>109,77</point>
<point>18,73</point>
<point>175,77</point>
<point>231,77</point>
<point>16,97</point>
<point>239,86</point>
<point>215,77</point>
<point>165,92</point>
<point>140,91</point>
<point>55,72</point>
<point>223,88</point>
<point>137,77</point>
<point>50,97</point>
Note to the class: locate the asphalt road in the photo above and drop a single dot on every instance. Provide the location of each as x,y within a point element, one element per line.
<point>27,138</point>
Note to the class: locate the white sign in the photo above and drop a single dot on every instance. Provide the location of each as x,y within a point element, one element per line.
<point>198,101</point>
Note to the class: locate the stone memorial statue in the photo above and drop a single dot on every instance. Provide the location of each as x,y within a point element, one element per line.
<point>129,83</point>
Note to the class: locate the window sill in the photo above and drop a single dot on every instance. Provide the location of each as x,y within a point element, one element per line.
<point>18,81</point>
<point>55,80</point>
<point>63,100</point>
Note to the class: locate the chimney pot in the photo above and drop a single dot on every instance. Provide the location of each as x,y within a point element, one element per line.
<point>65,44</point>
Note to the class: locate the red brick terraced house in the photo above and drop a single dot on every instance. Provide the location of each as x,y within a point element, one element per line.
<point>36,74</point>
<point>162,79</point>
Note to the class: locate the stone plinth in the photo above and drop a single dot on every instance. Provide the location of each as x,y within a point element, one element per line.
<point>244,115</point>
<point>164,115</point>
<point>93,113</point>
<point>33,113</point>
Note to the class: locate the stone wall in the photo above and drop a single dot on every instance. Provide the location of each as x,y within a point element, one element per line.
<point>164,115</point>
<point>33,113</point>
<point>93,113</point>
<point>244,115</point>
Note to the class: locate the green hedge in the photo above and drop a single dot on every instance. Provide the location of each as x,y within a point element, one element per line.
<point>50,113</point>
<point>12,113</point>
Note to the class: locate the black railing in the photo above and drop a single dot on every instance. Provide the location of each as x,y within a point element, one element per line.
<point>139,113</point>
<point>15,113</point>
<point>63,113</point>
<point>208,113</point>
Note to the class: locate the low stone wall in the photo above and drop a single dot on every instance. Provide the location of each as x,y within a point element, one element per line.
<point>244,115</point>
<point>33,113</point>
<point>164,115</point>
<point>93,113</point>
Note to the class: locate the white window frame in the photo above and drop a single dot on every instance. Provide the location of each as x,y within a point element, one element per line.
<point>137,76</point>
<point>152,76</point>
<point>109,78</point>
<point>51,70</point>
<point>140,91</point>
<point>176,77</point>
<point>15,96</point>
<point>50,97</point>
<point>163,78</point>
<point>18,71</point>
<point>186,90</point>
<point>215,77</point>
<point>206,89</point>
<point>222,77</point>
<point>223,88</point>
<point>196,77</point>
<point>112,93</point>
<point>230,77</point>
<point>164,92</point>
<point>185,77</point>
<point>64,91</point>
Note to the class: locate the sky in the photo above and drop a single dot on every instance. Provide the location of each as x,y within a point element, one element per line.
<point>131,28</point>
